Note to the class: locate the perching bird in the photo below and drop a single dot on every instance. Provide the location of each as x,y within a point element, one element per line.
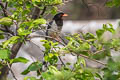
<point>55,26</point>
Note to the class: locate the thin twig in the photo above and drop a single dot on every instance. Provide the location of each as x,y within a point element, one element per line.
<point>62,40</point>
<point>99,51</point>
<point>38,36</point>
<point>4,10</point>
<point>8,30</point>
<point>92,59</point>
<point>2,33</point>
<point>11,71</point>
<point>89,58</point>
<point>3,29</point>
<point>61,61</point>
<point>44,10</point>
<point>75,63</point>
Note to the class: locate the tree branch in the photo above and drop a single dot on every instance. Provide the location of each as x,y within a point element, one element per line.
<point>4,10</point>
<point>38,36</point>
<point>92,59</point>
<point>36,13</point>
<point>2,33</point>
<point>43,10</point>
<point>3,29</point>
<point>61,61</point>
<point>35,36</point>
<point>11,71</point>
<point>15,48</point>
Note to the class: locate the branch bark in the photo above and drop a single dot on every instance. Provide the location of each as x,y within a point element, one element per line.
<point>4,10</point>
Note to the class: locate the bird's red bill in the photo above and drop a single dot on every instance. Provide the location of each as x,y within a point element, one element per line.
<point>65,14</point>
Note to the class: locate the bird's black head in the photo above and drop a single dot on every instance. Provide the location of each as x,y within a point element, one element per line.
<point>59,16</point>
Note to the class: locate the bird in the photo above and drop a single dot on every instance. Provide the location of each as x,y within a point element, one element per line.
<point>55,26</point>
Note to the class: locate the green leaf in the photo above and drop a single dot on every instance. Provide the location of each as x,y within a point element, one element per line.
<point>39,21</point>
<point>5,44</point>
<point>6,21</point>
<point>12,40</point>
<point>100,32</point>
<point>25,72</point>
<point>1,37</point>
<point>85,46</point>
<point>47,45</point>
<point>4,54</point>
<point>52,58</point>
<point>113,3</point>
<point>54,10</point>
<point>19,59</point>
<point>116,3</point>
<point>53,74</point>
<point>50,55</point>
<point>35,0</point>
<point>30,78</point>
<point>111,29</point>
<point>82,49</point>
<point>80,61</point>
<point>88,36</point>
<point>23,31</point>
<point>56,1</point>
<point>110,4</point>
<point>35,66</point>
<point>105,27</point>
<point>32,67</point>
<point>99,76</point>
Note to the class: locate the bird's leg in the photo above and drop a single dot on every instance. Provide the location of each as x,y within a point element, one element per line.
<point>58,38</point>
<point>55,36</point>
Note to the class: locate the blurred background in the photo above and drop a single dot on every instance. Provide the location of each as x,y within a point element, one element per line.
<point>90,10</point>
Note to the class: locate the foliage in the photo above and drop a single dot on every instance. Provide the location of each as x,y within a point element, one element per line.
<point>6,21</point>
<point>89,46</point>
<point>112,3</point>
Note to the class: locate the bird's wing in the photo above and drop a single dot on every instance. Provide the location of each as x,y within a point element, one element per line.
<point>48,27</point>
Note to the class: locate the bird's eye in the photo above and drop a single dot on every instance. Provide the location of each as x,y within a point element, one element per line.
<point>61,15</point>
